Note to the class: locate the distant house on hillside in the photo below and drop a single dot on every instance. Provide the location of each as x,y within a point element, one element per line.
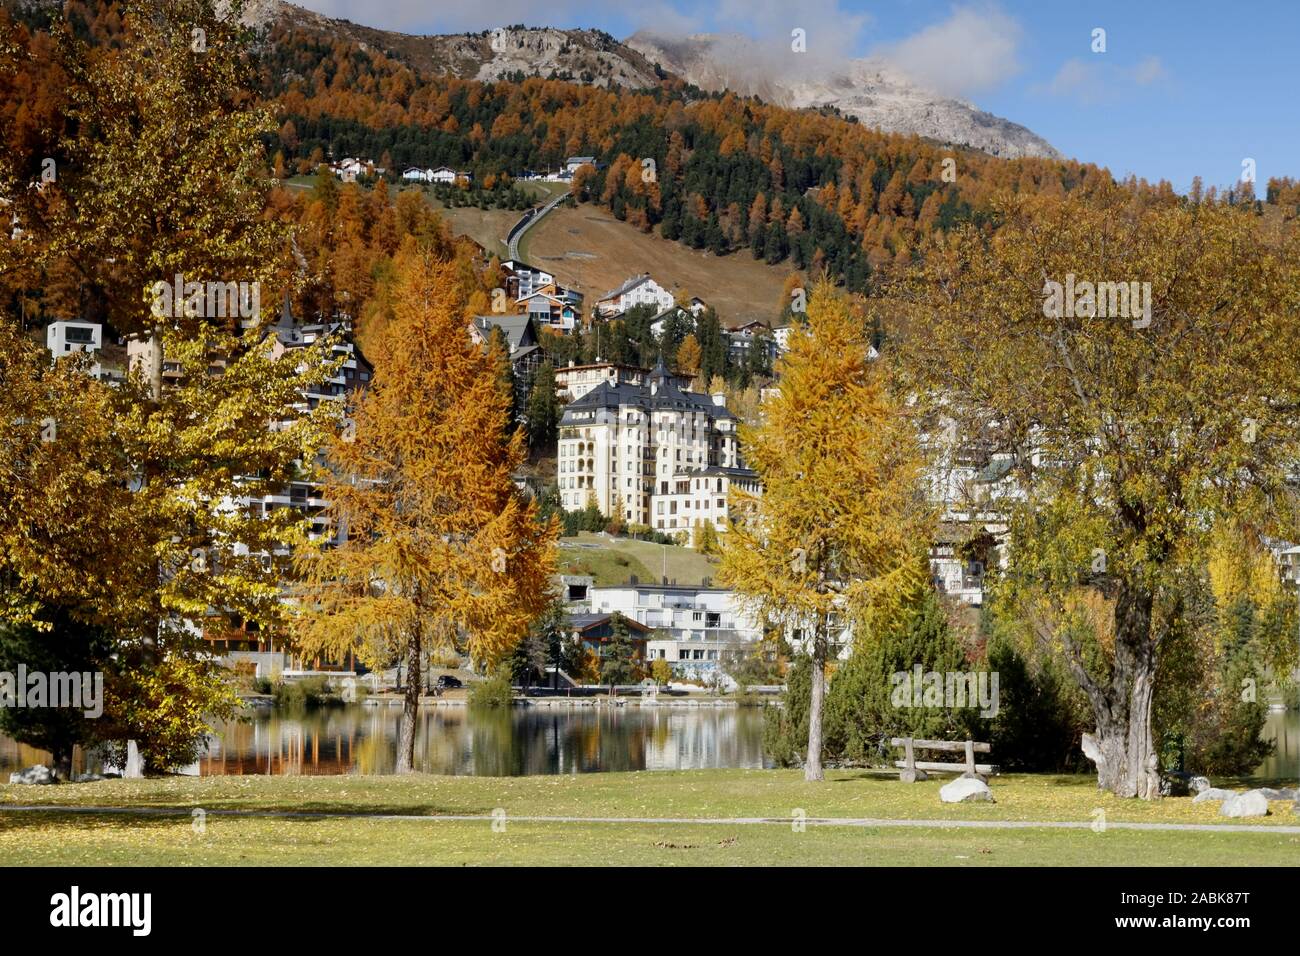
<point>551,311</point>
<point>522,280</point>
<point>572,164</point>
<point>659,321</point>
<point>638,290</point>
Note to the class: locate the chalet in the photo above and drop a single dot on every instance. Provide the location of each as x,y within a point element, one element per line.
<point>448,176</point>
<point>551,311</point>
<point>638,290</point>
<point>752,335</point>
<point>595,631</point>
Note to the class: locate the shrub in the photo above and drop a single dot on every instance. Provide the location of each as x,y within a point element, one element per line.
<point>493,692</point>
<point>308,692</point>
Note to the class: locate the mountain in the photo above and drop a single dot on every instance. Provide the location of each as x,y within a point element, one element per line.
<point>872,90</point>
<point>588,56</point>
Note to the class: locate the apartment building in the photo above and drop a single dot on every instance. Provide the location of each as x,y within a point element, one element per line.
<point>654,451</point>
<point>691,627</point>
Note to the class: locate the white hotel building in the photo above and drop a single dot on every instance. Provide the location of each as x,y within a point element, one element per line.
<point>663,455</point>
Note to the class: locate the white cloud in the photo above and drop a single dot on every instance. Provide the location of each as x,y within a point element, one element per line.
<point>974,50</point>
<point>1099,80</point>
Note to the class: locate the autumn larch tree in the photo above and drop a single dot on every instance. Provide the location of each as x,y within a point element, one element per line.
<point>438,548</point>
<point>832,539</point>
<point>1137,419</point>
<point>159,171</point>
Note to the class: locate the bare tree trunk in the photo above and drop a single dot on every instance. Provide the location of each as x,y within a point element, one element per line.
<point>1123,748</point>
<point>812,769</point>
<point>410,706</point>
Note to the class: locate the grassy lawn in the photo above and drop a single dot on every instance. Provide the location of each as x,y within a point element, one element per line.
<point>612,560</point>
<point>60,838</point>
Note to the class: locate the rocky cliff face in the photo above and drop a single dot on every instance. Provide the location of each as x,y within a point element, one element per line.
<point>586,56</point>
<point>872,90</point>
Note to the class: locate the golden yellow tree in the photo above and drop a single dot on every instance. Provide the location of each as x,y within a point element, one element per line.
<point>688,356</point>
<point>832,540</point>
<point>1137,364</point>
<point>159,173</point>
<point>436,547</point>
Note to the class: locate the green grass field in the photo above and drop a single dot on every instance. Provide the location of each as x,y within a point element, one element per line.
<point>612,560</point>
<point>31,838</point>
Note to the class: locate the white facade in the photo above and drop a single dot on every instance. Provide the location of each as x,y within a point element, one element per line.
<point>646,449</point>
<point>575,381</point>
<point>696,626</point>
<point>639,290</point>
<point>66,337</point>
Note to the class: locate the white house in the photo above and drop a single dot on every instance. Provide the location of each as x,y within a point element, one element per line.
<point>638,290</point>
<point>68,336</point>
<point>575,381</point>
<point>696,625</point>
<point>572,164</point>
<point>349,169</point>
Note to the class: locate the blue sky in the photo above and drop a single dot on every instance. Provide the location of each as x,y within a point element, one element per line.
<point>1182,89</point>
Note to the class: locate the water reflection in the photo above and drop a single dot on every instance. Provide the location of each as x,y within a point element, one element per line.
<point>495,743</point>
<point>521,741</point>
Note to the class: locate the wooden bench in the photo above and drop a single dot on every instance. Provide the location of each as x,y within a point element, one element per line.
<point>912,770</point>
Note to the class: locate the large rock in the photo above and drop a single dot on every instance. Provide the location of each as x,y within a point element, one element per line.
<point>1213,793</point>
<point>1252,803</point>
<point>966,790</point>
<point>39,774</point>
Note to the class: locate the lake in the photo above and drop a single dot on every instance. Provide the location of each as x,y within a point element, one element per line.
<point>461,741</point>
<point>523,741</point>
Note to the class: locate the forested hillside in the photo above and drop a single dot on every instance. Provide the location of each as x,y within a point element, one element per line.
<point>813,190</point>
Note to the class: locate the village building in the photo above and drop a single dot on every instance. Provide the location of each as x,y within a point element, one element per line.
<point>653,450</point>
<point>638,290</point>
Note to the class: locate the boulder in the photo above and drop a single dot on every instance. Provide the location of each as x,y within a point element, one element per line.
<point>39,774</point>
<point>1213,793</point>
<point>1252,803</point>
<point>86,778</point>
<point>966,790</point>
